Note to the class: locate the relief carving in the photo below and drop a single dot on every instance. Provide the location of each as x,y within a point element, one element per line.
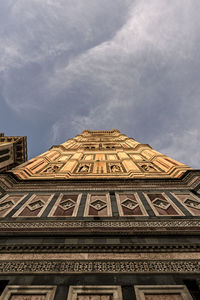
<point>35,205</point>
<point>161,203</point>
<point>129,203</point>
<point>115,168</point>
<point>148,168</point>
<point>84,169</point>
<point>66,204</point>
<point>99,266</point>
<point>6,205</point>
<point>52,169</point>
<point>98,204</point>
<point>192,203</point>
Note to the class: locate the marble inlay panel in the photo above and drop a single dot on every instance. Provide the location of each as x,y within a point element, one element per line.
<point>162,205</point>
<point>130,205</point>
<point>66,206</point>
<point>189,201</point>
<point>35,206</point>
<point>8,202</point>
<point>98,205</point>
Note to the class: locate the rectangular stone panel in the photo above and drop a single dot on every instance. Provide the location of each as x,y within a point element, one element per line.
<point>98,292</point>
<point>8,202</point>
<point>13,292</point>
<point>130,205</point>
<point>66,206</point>
<point>98,205</point>
<point>189,201</point>
<point>35,206</point>
<point>162,292</point>
<point>162,205</point>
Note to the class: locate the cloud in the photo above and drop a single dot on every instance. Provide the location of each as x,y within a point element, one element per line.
<point>132,65</point>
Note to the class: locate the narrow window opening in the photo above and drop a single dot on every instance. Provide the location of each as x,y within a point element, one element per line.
<point>193,288</point>
<point>3,284</point>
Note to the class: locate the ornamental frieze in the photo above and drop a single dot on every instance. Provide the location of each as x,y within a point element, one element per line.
<point>100,266</point>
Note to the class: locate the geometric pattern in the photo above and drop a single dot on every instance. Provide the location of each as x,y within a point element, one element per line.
<point>98,205</point>
<point>99,266</point>
<point>34,206</point>
<point>162,205</point>
<point>66,205</point>
<point>130,205</point>
<point>8,202</point>
<point>190,201</point>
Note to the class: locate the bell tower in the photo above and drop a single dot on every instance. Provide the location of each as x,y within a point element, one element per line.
<point>100,217</point>
<point>101,154</point>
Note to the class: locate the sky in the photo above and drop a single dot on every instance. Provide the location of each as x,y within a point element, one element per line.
<point>134,65</point>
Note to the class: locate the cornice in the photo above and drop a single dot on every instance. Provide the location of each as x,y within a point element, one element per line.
<point>98,227</point>
<point>98,248</point>
<point>189,180</point>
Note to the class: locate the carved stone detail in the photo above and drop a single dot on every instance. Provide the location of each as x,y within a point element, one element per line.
<point>161,203</point>
<point>98,204</point>
<point>129,203</point>
<point>6,205</point>
<point>8,202</point>
<point>84,169</point>
<point>170,224</point>
<point>35,205</point>
<point>148,167</point>
<point>109,248</point>
<point>66,204</point>
<point>115,168</point>
<point>99,266</point>
<point>52,169</point>
<point>192,203</point>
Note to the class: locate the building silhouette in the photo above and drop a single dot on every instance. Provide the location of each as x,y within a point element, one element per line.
<point>100,217</point>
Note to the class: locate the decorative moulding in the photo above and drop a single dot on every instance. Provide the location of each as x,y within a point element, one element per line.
<point>23,292</point>
<point>173,292</point>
